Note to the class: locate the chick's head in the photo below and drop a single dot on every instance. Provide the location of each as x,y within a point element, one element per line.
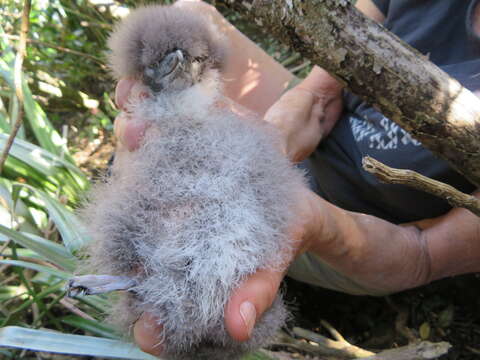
<point>167,48</point>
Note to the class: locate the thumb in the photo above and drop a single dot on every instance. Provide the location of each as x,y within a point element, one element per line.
<point>250,301</point>
<point>147,334</point>
<point>129,131</point>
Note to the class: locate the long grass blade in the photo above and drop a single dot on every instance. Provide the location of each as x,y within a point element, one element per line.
<point>92,326</point>
<point>72,231</point>
<point>49,270</point>
<point>47,163</point>
<point>55,342</point>
<point>49,250</point>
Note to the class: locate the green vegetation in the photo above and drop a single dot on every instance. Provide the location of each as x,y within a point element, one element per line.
<point>63,76</point>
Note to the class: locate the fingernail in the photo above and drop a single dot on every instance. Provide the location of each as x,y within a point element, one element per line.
<point>119,126</point>
<point>248,314</point>
<point>122,91</point>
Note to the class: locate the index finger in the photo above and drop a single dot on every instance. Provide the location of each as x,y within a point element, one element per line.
<point>122,91</point>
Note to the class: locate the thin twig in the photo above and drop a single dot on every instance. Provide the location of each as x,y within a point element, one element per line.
<point>4,246</point>
<point>300,67</point>
<point>328,347</point>
<point>413,179</point>
<point>22,46</point>
<point>56,47</point>
<point>8,280</point>
<point>335,334</point>
<point>4,267</point>
<point>56,299</point>
<point>401,320</point>
<point>33,260</point>
<point>67,303</point>
<point>473,350</point>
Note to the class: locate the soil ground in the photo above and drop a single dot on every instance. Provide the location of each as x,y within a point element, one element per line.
<point>446,310</point>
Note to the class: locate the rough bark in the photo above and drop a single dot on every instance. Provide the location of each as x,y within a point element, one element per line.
<point>382,69</point>
<point>411,178</point>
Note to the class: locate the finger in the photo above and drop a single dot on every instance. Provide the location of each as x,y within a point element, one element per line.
<point>147,334</point>
<point>250,301</point>
<point>133,132</point>
<point>119,125</point>
<point>122,91</point>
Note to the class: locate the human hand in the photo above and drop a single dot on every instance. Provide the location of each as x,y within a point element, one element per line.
<point>306,113</point>
<point>353,244</point>
<point>251,299</point>
<point>256,294</point>
<point>129,131</point>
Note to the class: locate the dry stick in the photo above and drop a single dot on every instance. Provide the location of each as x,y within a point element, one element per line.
<point>22,45</point>
<point>75,310</point>
<point>327,347</point>
<point>419,351</point>
<point>401,320</point>
<point>321,349</point>
<point>339,348</point>
<point>473,350</point>
<point>335,334</point>
<point>413,179</point>
<point>59,48</point>
<point>4,246</point>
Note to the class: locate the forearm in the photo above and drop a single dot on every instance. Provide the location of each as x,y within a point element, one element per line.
<point>387,257</point>
<point>373,252</point>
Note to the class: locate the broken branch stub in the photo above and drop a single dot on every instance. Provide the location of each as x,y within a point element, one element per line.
<point>417,181</point>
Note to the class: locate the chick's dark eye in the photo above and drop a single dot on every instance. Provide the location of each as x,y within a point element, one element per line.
<point>200,58</point>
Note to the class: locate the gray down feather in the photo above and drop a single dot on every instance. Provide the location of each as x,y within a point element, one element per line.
<point>204,202</point>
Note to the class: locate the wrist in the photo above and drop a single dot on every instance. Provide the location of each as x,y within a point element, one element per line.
<point>318,227</point>
<point>372,252</point>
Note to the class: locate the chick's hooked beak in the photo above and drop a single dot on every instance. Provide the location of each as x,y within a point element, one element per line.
<point>166,68</point>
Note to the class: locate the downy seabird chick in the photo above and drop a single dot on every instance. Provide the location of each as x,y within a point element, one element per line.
<point>204,202</point>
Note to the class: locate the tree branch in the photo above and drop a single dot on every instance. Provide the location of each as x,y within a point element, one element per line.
<point>413,179</point>
<point>381,68</point>
<point>22,46</point>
